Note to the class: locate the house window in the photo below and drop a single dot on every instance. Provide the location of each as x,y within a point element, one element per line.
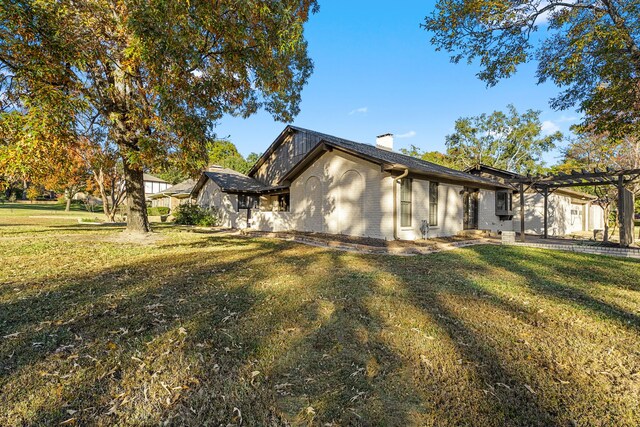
<point>504,201</point>
<point>246,201</point>
<point>433,204</point>
<point>283,202</point>
<point>405,202</point>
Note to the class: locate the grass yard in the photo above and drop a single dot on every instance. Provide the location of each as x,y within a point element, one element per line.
<point>195,329</point>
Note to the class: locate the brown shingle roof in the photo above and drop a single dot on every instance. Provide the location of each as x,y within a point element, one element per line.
<point>401,160</point>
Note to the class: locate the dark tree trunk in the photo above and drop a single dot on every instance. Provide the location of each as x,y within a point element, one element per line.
<point>605,237</point>
<point>137,221</point>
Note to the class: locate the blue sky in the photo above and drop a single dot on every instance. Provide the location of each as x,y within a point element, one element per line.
<point>376,72</point>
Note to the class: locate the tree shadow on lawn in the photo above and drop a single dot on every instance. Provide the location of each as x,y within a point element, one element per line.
<point>263,332</point>
<point>87,324</point>
<point>514,347</point>
<point>154,340</point>
<point>54,229</point>
<point>557,264</point>
<point>465,378</point>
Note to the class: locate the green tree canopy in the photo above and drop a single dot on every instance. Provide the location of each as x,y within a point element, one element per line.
<point>224,153</point>
<point>510,141</point>
<point>159,74</point>
<point>430,156</point>
<point>589,48</point>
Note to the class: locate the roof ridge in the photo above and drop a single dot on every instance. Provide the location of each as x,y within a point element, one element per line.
<point>395,153</point>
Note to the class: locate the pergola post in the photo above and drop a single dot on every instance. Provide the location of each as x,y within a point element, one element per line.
<point>625,214</point>
<point>618,178</point>
<point>621,209</point>
<point>522,238</point>
<point>546,211</point>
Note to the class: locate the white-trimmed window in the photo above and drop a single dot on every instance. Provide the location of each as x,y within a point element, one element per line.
<point>405,202</point>
<point>433,204</point>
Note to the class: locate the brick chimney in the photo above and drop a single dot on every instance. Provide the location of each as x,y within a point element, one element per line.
<point>385,142</point>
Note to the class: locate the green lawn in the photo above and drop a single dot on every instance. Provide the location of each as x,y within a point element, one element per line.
<point>195,328</point>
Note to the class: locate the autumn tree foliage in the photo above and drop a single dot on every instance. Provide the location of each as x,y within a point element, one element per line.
<point>100,157</point>
<point>430,156</point>
<point>160,74</point>
<point>53,165</point>
<point>589,48</point>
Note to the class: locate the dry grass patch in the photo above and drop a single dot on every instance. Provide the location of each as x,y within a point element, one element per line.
<point>224,330</point>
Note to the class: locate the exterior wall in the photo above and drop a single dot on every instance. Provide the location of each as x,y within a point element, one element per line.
<point>487,218</point>
<point>575,219</point>
<point>160,202</point>
<point>169,202</point>
<point>342,194</point>
<point>450,210</point>
<point>211,196</point>
<point>285,157</point>
<point>566,216</point>
<point>419,211</point>
<point>271,221</point>
<point>596,217</point>
<point>559,208</point>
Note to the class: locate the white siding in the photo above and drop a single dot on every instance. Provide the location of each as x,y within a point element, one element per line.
<point>575,219</point>
<point>450,210</point>
<point>487,218</point>
<point>565,215</point>
<point>419,210</point>
<point>596,217</point>
<point>211,196</point>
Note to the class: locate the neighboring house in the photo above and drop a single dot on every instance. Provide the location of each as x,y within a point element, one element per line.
<point>173,196</point>
<point>570,211</point>
<point>309,181</point>
<point>153,184</point>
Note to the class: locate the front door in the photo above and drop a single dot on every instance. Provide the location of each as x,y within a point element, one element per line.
<point>470,205</point>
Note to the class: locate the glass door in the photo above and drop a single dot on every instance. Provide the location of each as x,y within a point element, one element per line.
<point>470,209</point>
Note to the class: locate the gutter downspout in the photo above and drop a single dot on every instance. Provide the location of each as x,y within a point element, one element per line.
<point>395,202</point>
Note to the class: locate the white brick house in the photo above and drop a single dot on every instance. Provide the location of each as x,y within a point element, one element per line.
<point>313,182</point>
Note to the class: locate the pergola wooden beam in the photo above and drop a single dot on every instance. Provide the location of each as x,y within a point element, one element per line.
<point>597,177</point>
<point>582,178</point>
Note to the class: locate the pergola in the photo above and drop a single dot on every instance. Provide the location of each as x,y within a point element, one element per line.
<point>547,184</point>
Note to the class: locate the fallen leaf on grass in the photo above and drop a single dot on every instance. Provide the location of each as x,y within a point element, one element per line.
<point>14,335</point>
<point>237,416</point>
